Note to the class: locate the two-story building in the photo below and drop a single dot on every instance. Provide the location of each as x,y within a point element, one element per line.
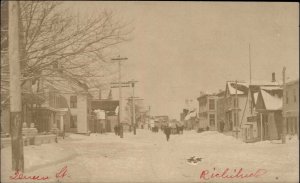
<point>235,102</point>
<point>269,109</point>
<point>291,107</point>
<point>67,105</point>
<point>251,125</point>
<point>208,111</point>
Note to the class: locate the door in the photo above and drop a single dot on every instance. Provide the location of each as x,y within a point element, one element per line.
<point>108,125</point>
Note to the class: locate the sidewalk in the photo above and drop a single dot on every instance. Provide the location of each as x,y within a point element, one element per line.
<point>36,157</point>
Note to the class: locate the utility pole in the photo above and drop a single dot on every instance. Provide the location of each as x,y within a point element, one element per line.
<point>133,107</point>
<point>133,115</point>
<point>250,63</point>
<point>15,87</point>
<point>236,110</point>
<point>133,110</point>
<point>119,59</point>
<point>283,107</point>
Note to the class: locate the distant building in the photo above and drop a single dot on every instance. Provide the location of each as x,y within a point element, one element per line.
<point>161,120</point>
<point>208,111</point>
<point>191,120</point>
<point>183,114</point>
<point>111,117</point>
<point>291,107</point>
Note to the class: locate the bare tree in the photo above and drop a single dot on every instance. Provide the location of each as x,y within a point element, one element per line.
<point>55,40</point>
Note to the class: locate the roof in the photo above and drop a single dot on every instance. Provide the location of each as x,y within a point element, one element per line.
<point>269,88</point>
<point>240,89</point>
<point>264,83</point>
<point>207,96</point>
<point>62,85</point>
<point>271,102</point>
<point>296,81</point>
<point>272,97</point>
<point>221,93</point>
<point>106,105</point>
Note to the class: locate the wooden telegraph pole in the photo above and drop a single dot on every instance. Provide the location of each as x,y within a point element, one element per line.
<point>283,108</point>
<point>119,59</point>
<point>133,107</point>
<point>15,87</point>
<point>236,110</point>
<point>133,122</point>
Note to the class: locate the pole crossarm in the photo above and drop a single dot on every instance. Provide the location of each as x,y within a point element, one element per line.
<point>119,58</point>
<point>123,86</point>
<point>135,98</point>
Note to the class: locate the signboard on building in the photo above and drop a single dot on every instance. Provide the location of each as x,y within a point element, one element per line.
<point>252,119</point>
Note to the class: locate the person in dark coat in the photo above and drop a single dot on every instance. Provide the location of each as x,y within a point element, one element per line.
<point>167,132</point>
<point>116,129</point>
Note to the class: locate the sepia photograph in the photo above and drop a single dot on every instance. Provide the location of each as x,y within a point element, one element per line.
<point>149,91</point>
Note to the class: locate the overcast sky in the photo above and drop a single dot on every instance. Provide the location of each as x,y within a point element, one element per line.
<point>182,48</point>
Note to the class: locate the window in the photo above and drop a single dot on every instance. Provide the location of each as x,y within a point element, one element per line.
<point>73,101</point>
<point>73,121</point>
<point>287,97</point>
<point>212,120</point>
<point>211,104</point>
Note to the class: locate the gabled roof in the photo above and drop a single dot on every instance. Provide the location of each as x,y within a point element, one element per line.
<point>63,85</point>
<point>270,98</point>
<point>255,86</point>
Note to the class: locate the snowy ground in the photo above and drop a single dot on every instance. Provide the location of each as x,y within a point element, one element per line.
<point>148,157</point>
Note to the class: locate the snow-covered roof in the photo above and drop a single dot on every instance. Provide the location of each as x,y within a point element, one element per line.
<point>272,102</point>
<point>61,85</point>
<point>241,89</point>
<point>264,83</point>
<point>269,88</point>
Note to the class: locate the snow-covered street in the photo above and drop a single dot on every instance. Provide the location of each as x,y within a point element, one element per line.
<point>148,157</point>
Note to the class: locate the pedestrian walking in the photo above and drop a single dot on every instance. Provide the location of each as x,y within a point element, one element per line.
<point>167,132</point>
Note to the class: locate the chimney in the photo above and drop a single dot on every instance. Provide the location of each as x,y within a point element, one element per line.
<point>273,77</point>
